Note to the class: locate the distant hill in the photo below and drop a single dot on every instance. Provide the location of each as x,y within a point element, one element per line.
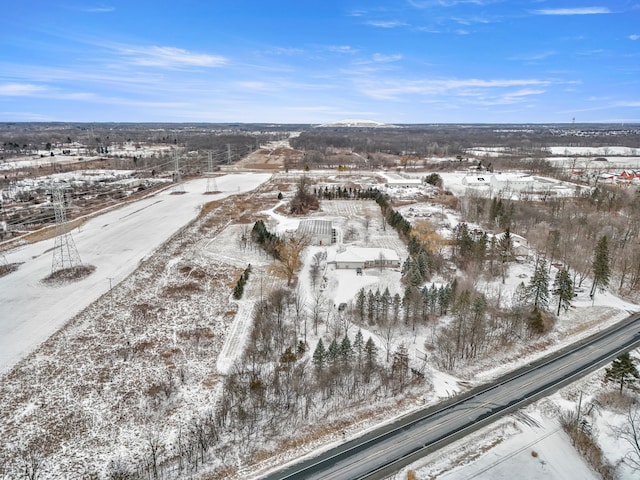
<point>358,123</point>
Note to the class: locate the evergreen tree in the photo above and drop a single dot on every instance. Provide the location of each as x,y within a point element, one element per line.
<point>238,290</point>
<point>371,307</point>
<point>370,352</point>
<point>346,351</point>
<point>505,251</point>
<point>520,295</point>
<point>376,298</point>
<point>505,246</point>
<point>385,305</point>
<point>319,356</point>
<point>333,352</point>
<point>622,370</point>
<point>480,249</point>
<point>464,244</point>
<point>601,267</point>
<point>424,263</point>
<point>361,300</point>
<point>563,289</point>
<point>445,297</point>
<point>432,298</point>
<point>538,288</point>
<point>358,346</point>
<point>397,303</point>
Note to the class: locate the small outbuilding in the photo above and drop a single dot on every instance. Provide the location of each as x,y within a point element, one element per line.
<point>319,232</point>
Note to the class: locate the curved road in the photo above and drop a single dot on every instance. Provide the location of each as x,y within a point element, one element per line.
<point>388,449</point>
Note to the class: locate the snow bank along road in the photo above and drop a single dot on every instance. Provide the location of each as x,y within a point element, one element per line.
<point>114,243</point>
<point>381,453</point>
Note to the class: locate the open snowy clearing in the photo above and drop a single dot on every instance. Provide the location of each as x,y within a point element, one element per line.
<point>114,243</point>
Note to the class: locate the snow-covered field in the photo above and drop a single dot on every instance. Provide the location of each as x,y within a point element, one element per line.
<point>114,243</point>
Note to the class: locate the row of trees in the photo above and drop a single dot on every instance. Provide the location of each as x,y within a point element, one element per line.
<point>423,259</point>
<point>238,290</point>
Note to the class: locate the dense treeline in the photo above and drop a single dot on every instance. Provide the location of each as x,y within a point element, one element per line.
<point>567,230</point>
<point>225,141</point>
<point>451,140</point>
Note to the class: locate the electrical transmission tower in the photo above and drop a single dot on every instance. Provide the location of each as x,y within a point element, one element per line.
<point>212,184</point>
<point>179,187</point>
<point>65,253</point>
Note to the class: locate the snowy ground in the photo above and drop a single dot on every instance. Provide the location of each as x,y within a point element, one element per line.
<point>114,243</point>
<point>117,241</point>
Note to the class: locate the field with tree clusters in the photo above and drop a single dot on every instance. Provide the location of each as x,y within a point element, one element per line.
<point>222,340</point>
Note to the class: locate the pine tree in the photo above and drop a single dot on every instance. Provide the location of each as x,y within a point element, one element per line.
<point>563,289</point>
<point>334,352</point>
<point>358,346</point>
<point>371,307</point>
<point>622,370</point>
<point>346,351</point>
<point>505,250</point>
<point>371,352</point>
<point>600,266</point>
<point>319,356</point>
<point>360,304</point>
<point>538,288</point>
<point>424,263</point>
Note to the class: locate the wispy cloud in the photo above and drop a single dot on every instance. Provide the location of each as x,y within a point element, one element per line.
<point>628,104</point>
<point>99,9</point>
<point>170,57</point>
<point>395,89</point>
<point>386,23</point>
<point>573,11</point>
<point>445,3</point>
<point>634,37</point>
<point>471,20</point>
<point>533,57</point>
<point>20,89</point>
<point>381,58</point>
<point>285,51</point>
<point>342,49</point>
<point>375,63</point>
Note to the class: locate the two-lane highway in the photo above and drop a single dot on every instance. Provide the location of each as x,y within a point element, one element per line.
<point>386,450</point>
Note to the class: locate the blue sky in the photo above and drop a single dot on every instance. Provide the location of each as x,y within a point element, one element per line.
<point>309,61</point>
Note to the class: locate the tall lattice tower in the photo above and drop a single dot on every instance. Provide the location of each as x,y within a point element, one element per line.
<point>179,186</point>
<point>212,183</point>
<point>65,253</point>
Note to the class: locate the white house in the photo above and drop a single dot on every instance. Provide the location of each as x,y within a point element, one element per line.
<point>363,257</point>
<point>478,180</point>
<point>511,181</point>
<point>520,245</point>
